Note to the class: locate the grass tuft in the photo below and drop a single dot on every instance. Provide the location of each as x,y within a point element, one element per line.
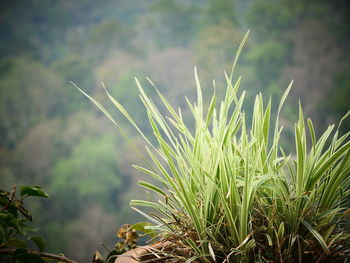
<point>231,193</point>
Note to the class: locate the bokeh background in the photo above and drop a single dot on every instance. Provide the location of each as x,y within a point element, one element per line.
<point>52,136</point>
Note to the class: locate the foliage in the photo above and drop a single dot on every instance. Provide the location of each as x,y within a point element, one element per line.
<point>177,18</point>
<point>267,60</point>
<point>108,34</point>
<point>218,11</point>
<point>16,239</point>
<point>127,239</point>
<point>28,91</point>
<point>232,193</point>
<point>90,169</point>
<point>300,33</point>
<point>261,12</point>
<point>43,122</point>
<point>337,103</point>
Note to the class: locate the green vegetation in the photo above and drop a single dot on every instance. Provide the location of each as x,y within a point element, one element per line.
<point>233,194</point>
<point>53,138</point>
<point>16,240</point>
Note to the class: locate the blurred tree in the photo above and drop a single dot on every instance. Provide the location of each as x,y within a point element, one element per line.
<point>337,102</point>
<point>175,22</point>
<point>87,177</point>
<point>302,41</point>
<point>268,60</point>
<point>29,93</point>
<point>107,35</point>
<point>214,52</point>
<point>75,68</point>
<point>216,39</point>
<point>218,11</point>
<point>91,171</point>
<point>31,27</point>
<point>270,18</point>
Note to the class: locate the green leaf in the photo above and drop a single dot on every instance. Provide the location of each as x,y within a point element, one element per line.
<point>239,50</point>
<point>16,243</point>
<point>33,191</point>
<point>147,216</point>
<point>141,226</point>
<point>152,187</point>
<point>269,240</point>
<point>317,235</point>
<point>39,242</point>
<point>281,231</point>
<point>145,203</point>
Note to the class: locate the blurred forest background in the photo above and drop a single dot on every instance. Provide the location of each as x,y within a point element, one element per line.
<point>54,137</point>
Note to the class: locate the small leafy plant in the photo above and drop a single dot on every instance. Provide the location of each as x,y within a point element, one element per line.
<point>16,241</point>
<point>231,193</point>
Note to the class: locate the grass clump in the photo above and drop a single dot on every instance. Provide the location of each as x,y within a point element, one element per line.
<point>232,194</point>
